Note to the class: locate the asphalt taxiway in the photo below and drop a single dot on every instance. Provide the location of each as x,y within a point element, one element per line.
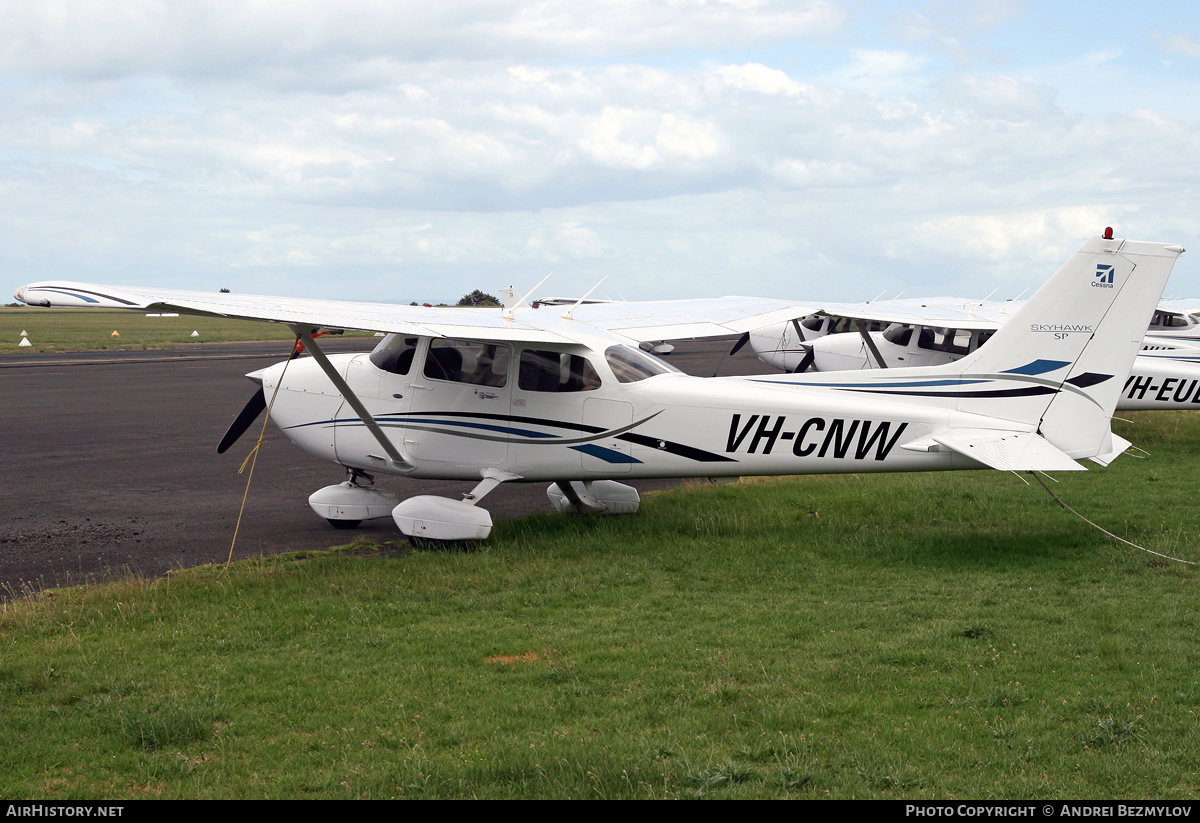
<point>111,465</point>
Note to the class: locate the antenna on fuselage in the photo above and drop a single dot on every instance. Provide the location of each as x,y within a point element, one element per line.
<point>511,310</point>
<point>569,314</point>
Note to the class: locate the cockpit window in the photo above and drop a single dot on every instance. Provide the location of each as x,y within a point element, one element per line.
<point>395,353</point>
<point>480,364</point>
<point>552,371</point>
<point>814,322</point>
<point>631,365</point>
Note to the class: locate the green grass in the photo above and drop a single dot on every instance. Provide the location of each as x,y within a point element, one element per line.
<point>942,636</point>
<point>92,329</point>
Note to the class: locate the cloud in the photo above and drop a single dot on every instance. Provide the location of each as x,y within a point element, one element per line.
<point>243,38</point>
<point>1181,44</point>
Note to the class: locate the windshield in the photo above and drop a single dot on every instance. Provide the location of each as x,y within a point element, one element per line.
<point>631,365</point>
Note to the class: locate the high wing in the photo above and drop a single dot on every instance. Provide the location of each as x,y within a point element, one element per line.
<point>689,319</point>
<point>1183,305</point>
<point>383,317</point>
<point>634,321</point>
<point>949,312</point>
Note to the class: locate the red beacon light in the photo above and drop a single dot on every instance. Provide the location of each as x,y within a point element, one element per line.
<point>1108,233</point>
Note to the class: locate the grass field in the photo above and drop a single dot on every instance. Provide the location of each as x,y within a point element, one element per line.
<point>92,329</point>
<point>908,636</point>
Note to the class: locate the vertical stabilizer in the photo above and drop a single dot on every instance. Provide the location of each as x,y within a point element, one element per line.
<point>1065,355</point>
<point>1057,367</point>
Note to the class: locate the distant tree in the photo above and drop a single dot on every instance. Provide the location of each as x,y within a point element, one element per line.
<point>224,291</point>
<point>479,298</point>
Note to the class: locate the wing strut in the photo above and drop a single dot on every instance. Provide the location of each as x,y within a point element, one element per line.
<point>351,398</point>
<point>862,329</point>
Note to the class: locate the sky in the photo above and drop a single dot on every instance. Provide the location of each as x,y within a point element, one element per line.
<point>398,151</point>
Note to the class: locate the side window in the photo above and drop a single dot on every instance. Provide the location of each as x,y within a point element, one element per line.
<point>955,341</point>
<point>480,364</point>
<point>395,354</point>
<point>552,371</point>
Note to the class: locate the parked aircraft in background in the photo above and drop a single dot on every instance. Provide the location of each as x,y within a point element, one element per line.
<point>517,395</point>
<point>932,331</point>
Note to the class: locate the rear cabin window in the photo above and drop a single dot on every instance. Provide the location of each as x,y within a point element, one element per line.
<point>395,353</point>
<point>459,361</point>
<point>552,371</point>
<point>631,365</point>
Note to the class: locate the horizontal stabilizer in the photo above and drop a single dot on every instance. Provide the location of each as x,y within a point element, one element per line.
<point>1008,451</point>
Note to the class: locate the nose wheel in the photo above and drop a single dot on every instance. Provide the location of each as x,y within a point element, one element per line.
<point>347,505</point>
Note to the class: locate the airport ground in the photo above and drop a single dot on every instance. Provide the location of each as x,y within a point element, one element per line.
<point>111,464</point>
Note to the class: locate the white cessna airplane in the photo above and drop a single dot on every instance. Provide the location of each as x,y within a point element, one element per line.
<point>931,331</point>
<point>517,395</point>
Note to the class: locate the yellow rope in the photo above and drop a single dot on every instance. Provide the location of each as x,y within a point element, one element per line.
<point>252,457</point>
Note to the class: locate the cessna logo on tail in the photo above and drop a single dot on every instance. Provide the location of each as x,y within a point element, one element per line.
<point>1104,276</point>
<point>857,439</point>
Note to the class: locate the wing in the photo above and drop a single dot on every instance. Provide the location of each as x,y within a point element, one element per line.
<point>1183,305</point>
<point>636,322</point>
<point>948,312</point>
<point>482,324</point>
<point>690,319</point>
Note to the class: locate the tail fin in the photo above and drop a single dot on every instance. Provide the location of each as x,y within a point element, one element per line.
<point>1067,352</point>
<point>1058,365</point>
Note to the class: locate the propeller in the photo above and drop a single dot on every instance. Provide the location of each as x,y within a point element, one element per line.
<point>743,340</point>
<point>257,403</point>
<point>245,418</point>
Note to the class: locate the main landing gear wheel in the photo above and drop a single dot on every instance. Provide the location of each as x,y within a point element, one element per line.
<point>439,522</point>
<point>344,524</point>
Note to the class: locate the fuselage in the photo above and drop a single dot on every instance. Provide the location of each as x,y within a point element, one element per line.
<point>454,407</point>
